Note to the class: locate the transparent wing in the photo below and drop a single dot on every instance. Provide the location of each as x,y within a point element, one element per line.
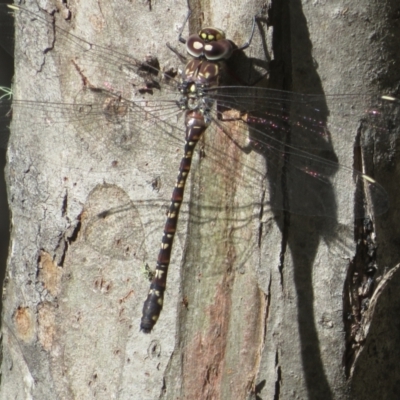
<point>296,133</point>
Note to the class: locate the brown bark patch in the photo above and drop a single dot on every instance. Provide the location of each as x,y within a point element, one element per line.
<point>50,273</point>
<point>206,353</point>
<point>46,325</point>
<point>24,324</point>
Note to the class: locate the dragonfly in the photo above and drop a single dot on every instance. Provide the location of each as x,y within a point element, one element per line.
<point>291,130</point>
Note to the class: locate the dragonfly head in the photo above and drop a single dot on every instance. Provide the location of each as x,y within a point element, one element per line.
<point>211,44</point>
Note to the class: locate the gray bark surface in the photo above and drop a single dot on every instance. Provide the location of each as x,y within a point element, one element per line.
<point>257,299</point>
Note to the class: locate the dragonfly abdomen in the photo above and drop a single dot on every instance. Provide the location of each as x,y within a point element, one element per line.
<point>195,126</point>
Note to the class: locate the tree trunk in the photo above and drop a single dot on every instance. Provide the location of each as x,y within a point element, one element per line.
<point>259,303</point>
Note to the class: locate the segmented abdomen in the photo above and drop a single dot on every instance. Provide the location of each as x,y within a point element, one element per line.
<point>195,126</point>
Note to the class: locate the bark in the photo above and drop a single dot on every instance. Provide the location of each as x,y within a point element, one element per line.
<point>257,300</point>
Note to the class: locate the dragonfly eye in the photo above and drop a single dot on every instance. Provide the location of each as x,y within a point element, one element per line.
<point>195,46</point>
<point>218,50</point>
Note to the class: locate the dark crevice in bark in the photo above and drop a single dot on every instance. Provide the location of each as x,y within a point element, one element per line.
<point>360,281</point>
<point>278,381</point>
<point>75,232</point>
<point>66,242</point>
<point>358,289</point>
<point>64,205</point>
<point>267,307</point>
<point>260,217</point>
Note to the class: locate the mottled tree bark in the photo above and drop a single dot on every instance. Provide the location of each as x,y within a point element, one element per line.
<point>260,303</point>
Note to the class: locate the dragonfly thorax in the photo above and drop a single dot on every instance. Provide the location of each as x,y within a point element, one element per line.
<point>199,75</point>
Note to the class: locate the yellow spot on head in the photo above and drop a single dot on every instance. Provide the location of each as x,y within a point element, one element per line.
<point>160,301</point>
<point>164,246</point>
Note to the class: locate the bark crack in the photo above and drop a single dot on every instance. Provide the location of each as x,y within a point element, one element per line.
<point>278,378</point>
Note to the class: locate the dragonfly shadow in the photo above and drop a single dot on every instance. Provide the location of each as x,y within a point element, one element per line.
<point>299,181</point>
<point>300,172</point>
<point>303,186</point>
